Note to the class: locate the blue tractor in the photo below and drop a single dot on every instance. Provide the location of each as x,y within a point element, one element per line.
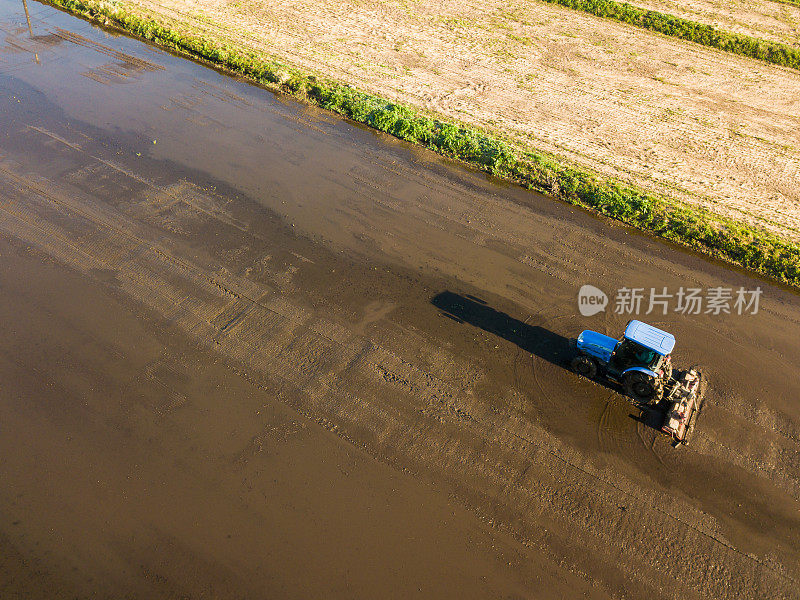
<point>640,361</point>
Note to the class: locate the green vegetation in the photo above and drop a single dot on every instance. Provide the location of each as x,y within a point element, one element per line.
<point>741,244</point>
<point>772,52</point>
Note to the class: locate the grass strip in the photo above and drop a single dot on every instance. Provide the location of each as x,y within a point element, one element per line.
<point>707,35</point>
<point>750,247</point>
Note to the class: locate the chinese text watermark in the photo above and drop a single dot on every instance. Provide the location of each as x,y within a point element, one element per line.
<point>660,301</point>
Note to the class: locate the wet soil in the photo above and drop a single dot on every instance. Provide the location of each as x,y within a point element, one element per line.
<point>249,350</point>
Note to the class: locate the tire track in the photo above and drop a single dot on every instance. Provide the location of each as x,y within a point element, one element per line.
<point>319,379</point>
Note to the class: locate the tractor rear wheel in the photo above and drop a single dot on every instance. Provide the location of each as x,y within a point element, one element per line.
<point>641,387</point>
<point>585,366</point>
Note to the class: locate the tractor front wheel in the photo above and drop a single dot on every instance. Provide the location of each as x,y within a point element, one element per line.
<point>585,366</point>
<point>641,387</point>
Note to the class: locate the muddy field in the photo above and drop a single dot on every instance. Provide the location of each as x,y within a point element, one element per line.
<point>696,124</point>
<point>248,350</point>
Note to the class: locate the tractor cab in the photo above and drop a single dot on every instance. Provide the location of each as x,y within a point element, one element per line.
<point>642,346</point>
<point>640,360</point>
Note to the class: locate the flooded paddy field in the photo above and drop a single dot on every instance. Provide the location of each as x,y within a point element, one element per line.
<point>250,350</point>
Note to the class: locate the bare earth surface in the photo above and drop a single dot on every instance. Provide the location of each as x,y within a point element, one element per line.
<point>250,351</point>
<point>694,123</point>
<point>765,19</point>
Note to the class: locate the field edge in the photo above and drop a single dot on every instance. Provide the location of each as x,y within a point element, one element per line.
<point>738,243</point>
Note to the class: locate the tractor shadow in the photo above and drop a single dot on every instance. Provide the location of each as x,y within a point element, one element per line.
<point>539,341</point>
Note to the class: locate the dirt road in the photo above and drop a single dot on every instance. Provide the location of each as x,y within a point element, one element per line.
<point>248,350</point>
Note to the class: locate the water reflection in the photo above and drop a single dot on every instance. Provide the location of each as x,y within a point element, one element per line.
<point>30,29</point>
